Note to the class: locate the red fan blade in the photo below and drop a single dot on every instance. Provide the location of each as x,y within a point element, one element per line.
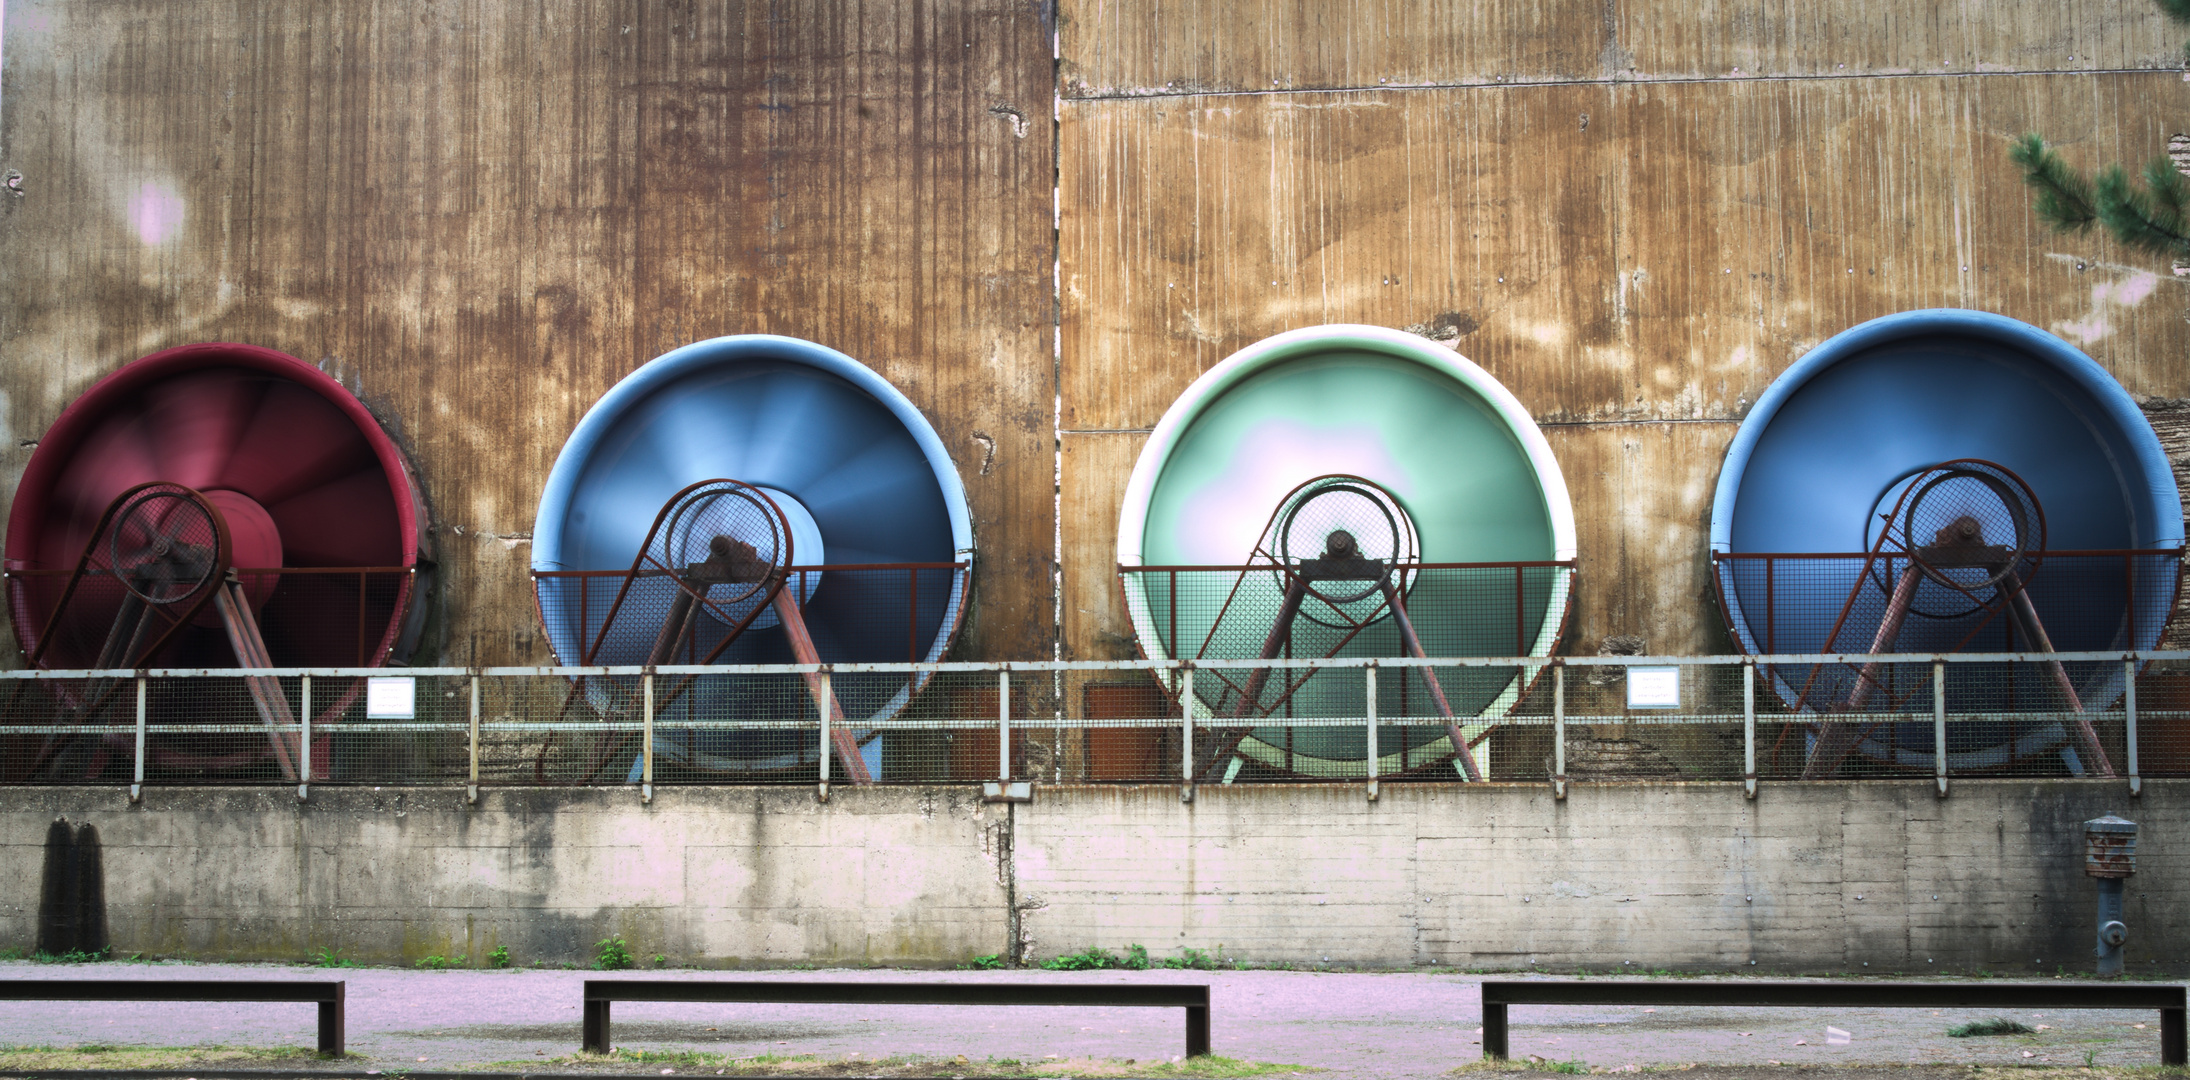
<point>297,441</point>
<point>348,522</point>
<point>195,421</point>
<point>115,457</point>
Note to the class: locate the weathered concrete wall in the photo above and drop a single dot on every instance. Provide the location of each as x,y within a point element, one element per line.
<point>728,875</point>
<point>1823,877</point>
<point>1808,877</point>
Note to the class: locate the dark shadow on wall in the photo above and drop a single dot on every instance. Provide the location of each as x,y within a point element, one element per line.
<point>72,903</point>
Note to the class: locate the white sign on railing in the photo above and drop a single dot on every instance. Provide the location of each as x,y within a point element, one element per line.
<point>1653,688</point>
<point>391,698</point>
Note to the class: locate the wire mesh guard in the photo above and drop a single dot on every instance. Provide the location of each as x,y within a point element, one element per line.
<point>715,582</point>
<point>1337,573</point>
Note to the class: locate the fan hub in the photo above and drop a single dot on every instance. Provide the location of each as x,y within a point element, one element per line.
<point>253,539</point>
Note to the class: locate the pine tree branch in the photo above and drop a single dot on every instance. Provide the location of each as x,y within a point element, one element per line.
<point>2064,198</point>
<point>2140,219</point>
<point>2170,191</point>
<point>2177,11</point>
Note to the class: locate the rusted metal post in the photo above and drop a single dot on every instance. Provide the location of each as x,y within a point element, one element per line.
<point>1939,724</point>
<point>331,1025</point>
<point>1003,724</point>
<point>1749,728</point>
<point>1368,679</point>
<point>646,738</point>
<point>1186,731</point>
<point>2129,723</point>
<point>136,784</point>
<point>1494,1030</point>
<point>471,791</point>
<point>304,731</point>
<point>824,696</point>
<point>1197,1031</point>
<point>1558,748</point>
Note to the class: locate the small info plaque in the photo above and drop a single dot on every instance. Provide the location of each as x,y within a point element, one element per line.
<point>1654,688</point>
<point>391,698</point>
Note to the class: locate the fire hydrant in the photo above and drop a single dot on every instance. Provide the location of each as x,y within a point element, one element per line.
<point>2110,855</point>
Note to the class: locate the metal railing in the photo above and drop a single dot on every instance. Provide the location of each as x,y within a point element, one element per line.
<point>1559,721</point>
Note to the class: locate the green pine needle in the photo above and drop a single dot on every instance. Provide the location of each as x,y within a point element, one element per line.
<point>2177,11</point>
<point>2148,219</point>
<point>2064,195</point>
<point>2170,190</point>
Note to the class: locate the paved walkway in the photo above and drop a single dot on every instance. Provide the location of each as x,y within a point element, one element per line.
<point>1371,1026</point>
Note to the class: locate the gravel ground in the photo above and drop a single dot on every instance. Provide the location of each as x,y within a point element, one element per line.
<point>1372,1026</point>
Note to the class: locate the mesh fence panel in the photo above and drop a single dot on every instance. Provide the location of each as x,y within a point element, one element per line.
<point>221,729</point>
<point>2004,718</point>
<point>56,730</point>
<point>2163,718</point>
<point>1654,721</point>
<point>427,742</point>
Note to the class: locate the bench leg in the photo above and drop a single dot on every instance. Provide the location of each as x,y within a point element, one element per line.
<point>596,1027</point>
<point>1197,1031</point>
<point>1494,1030</point>
<point>2171,1038</point>
<point>330,1029</point>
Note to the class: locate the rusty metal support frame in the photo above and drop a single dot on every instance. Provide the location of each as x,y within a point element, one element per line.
<point>790,616</point>
<point>403,579</point>
<point>600,994</point>
<point>1499,996</point>
<point>1278,638</point>
<point>2021,614</point>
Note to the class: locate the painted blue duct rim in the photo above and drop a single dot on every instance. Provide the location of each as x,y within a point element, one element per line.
<point>1306,342</point>
<point>2161,501</point>
<point>665,370</point>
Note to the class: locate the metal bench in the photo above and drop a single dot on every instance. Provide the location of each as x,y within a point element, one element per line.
<point>328,995</point>
<point>2169,1000</point>
<point>600,992</point>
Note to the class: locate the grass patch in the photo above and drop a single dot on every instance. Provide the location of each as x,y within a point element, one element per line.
<point>100,1056</point>
<point>1136,958</point>
<point>1998,1025</point>
<point>328,957</point>
<point>641,1061</point>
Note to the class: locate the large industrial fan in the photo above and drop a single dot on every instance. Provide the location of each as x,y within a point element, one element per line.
<point>1347,491</point>
<point>750,500</point>
<point>210,506</point>
<point>1946,481</point>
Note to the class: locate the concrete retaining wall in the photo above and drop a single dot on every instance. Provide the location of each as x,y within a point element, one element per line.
<point>1808,877</point>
